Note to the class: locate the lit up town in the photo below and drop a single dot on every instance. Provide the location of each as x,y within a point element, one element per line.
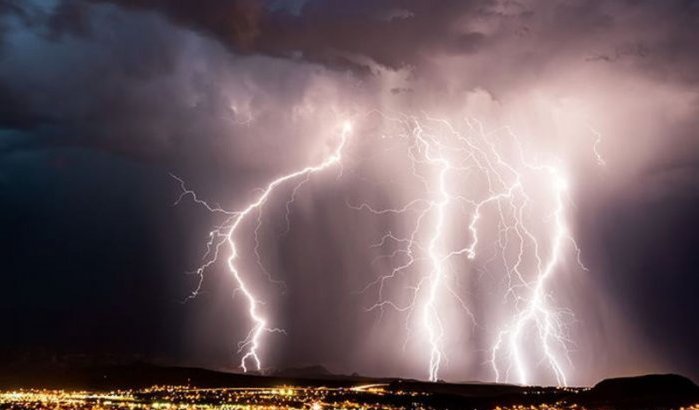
<point>367,396</point>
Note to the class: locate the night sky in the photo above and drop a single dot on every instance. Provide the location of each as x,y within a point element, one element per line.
<point>101,102</point>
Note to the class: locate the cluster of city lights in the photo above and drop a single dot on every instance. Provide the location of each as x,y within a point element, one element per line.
<point>182,397</point>
<point>367,396</point>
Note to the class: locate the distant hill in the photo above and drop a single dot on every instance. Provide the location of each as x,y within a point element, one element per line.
<point>99,374</point>
<point>656,390</point>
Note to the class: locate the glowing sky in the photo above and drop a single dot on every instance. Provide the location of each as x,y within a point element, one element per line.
<point>100,101</point>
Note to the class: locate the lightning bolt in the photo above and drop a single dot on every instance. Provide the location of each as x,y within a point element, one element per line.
<point>228,232</point>
<point>442,152</point>
<point>537,311</point>
<point>596,145</point>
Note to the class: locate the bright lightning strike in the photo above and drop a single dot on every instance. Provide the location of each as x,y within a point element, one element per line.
<point>227,234</point>
<point>537,311</point>
<point>464,165</point>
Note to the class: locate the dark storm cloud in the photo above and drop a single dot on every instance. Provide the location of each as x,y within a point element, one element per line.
<point>115,56</point>
<point>79,75</point>
<point>654,37</point>
<point>392,33</point>
<point>36,84</point>
<point>657,36</point>
<point>18,110</point>
<point>153,91</point>
<point>68,16</point>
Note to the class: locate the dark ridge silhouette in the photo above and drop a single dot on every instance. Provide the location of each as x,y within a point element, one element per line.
<point>656,390</point>
<point>141,375</point>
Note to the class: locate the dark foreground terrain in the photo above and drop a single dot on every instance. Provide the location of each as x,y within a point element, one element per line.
<point>144,386</point>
